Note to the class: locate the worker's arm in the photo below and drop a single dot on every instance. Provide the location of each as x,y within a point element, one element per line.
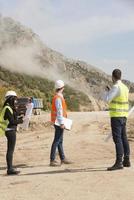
<point>59,109</point>
<point>111,94</point>
<point>12,118</point>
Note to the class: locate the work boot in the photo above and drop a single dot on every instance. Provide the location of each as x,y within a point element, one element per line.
<point>53,163</point>
<point>116,166</point>
<point>65,161</point>
<point>12,172</point>
<point>126,162</point>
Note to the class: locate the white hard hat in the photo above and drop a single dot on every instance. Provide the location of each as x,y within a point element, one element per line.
<point>10,93</point>
<point>59,84</point>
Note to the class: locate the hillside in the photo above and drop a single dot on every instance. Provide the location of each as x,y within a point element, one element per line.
<point>26,85</point>
<point>35,67</point>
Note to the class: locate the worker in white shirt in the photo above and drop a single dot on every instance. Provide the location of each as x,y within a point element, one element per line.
<point>58,111</point>
<point>27,117</point>
<point>117,97</point>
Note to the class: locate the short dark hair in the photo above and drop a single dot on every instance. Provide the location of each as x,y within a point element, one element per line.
<point>116,74</point>
<point>58,89</point>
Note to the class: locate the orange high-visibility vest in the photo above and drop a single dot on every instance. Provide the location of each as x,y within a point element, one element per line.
<point>54,110</point>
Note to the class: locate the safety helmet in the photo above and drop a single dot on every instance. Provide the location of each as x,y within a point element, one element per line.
<point>59,84</point>
<point>10,93</point>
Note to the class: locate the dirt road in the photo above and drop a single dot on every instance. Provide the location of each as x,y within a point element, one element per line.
<point>85,179</point>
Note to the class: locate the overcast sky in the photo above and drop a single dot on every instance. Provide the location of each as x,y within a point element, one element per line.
<point>100,32</point>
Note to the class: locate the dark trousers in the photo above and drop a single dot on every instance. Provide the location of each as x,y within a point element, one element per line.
<point>118,125</point>
<point>57,143</point>
<point>11,140</point>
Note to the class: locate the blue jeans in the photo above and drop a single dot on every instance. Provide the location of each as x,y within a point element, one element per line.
<point>57,143</point>
<point>118,125</point>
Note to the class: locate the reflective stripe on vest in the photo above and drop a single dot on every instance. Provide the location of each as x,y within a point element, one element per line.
<point>4,123</point>
<point>118,102</point>
<point>119,106</point>
<point>54,110</point>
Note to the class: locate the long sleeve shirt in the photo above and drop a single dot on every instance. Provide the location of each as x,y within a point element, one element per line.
<point>58,104</point>
<point>114,92</point>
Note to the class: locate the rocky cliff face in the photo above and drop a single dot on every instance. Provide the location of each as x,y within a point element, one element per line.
<point>22,51</point>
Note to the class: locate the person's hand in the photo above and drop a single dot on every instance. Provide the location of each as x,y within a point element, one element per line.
<point>20,120</point>
<point>62,126</point>
<point>107,88</point>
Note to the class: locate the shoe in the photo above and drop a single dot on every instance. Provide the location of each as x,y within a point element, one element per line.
<point>65,161</point>
<point>13,172</point>
<point>116,166</point>
<point>54,163</point>
<point>126,162</point>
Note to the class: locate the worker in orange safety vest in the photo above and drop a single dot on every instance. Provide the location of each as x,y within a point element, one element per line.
<point>58,112</point>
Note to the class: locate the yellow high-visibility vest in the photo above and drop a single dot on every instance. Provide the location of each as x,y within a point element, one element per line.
<point>119,106</point>
<point>4,123</point>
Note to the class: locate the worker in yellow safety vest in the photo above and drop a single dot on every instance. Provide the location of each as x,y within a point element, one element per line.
<point>8,126</point>
<point>117,97</point>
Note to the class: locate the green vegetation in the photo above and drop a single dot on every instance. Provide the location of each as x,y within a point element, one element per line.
<point>38,87</point>
<point>75,99</point>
